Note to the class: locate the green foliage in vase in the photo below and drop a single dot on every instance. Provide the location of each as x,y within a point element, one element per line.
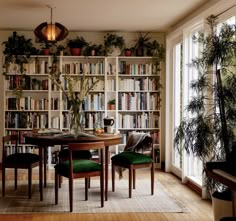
<point>208,131</point>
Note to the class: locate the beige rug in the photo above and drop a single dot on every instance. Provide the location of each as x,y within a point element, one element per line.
<point>118,201</point>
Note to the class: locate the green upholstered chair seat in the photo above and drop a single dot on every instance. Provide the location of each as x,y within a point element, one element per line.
<point>82,154</point>
<point>128,157</point>
<point>24,158</point>
<point>79,166</point>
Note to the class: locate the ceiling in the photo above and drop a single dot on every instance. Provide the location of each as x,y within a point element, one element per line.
<point>97,15</point>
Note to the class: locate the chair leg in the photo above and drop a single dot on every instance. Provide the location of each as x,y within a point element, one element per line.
<point>86,188</point>
<point>60,181</point>
<point>56,187</point>
<point>3,181</point>
<point>152,179</point>
<point>71,193</point>
<point>102,187</point>
<point>29,181</point>
<point>113,177</point>
<point>15,178</point>
<point>134,178</point>
<point>130,180</point>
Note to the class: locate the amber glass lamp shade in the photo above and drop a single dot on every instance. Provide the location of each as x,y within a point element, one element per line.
<point>51,32</point>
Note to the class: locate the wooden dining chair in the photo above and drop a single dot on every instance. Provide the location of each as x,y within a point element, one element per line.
<point>81,168</point>
<point>64,154</point>
<point>17,161</point>
<point>132,160</point>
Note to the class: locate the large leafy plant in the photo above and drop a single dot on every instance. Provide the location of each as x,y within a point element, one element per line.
<point>208,131</point>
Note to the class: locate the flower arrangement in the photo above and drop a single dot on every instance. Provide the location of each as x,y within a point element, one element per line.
<point>75,88</point>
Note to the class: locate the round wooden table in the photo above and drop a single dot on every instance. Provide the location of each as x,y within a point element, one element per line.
<point>45,140</point>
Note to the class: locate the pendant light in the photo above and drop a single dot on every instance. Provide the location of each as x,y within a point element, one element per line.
<point>49,32</point>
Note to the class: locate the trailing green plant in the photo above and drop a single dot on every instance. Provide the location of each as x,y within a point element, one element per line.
<point>17,52</point>
<point>208,131</point>
<point>113,40</point>
<point>110,102</point>
<point>98,49</point>
<point>18,49</point>
<point>155,49</point>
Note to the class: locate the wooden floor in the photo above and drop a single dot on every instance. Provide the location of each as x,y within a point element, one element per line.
<point>199,210</point>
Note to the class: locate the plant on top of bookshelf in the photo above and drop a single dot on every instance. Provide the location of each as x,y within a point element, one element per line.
<point>94,50</point>
<point>141,43</point>
<point>114,44</point>
<point>79,42</point>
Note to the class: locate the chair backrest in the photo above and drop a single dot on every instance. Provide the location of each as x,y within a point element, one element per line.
<point>11,140</point>
<point>86,146</point>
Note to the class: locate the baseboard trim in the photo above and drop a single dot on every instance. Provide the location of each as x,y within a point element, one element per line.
<point>194,187</point>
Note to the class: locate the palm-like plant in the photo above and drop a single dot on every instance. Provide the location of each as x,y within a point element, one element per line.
<point>208,132</point>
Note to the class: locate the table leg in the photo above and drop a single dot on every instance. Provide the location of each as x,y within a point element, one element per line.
<point>41,172</point>
<point>45,166</point>
<point>106,171</point>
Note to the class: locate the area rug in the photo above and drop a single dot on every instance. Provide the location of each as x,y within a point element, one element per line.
<point>118,201</point>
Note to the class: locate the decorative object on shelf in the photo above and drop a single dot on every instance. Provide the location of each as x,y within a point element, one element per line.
<point>76,45</point>
<point>114,44</point>
<point>141,44</point>
<point>74,97</point>
<point>46,48</point>
<point>209,133</point>
<point>111,104</point>
<point>155,49</point>
<point>93,50</point>
<point>49,32</point>
<point>128,52</point>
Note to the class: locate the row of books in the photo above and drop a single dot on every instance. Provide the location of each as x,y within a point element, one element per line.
<point>143,120</point>
<point>136,69</point>
<point>26,82</point>
<point>132,101</point>
<point>80,68</point>
<point>26,120</point>
<point>133,84</point>
<point>35,66</point>
<point>93,102</point>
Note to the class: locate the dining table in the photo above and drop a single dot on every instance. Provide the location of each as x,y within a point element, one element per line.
<point>44,140</point>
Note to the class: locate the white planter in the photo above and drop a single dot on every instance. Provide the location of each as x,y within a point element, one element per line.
<point>221,208</point>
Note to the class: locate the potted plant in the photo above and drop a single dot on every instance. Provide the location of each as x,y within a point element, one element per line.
<point>111,104</point>
<point>76,45</point>
<point>45,47</point>
<point>113,44</point>
<point>93,50</point>
<point>155,49</point>
<point>209,133</point>
<point>141,44</point>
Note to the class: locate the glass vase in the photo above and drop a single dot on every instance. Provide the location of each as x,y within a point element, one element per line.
<point>77,118</point>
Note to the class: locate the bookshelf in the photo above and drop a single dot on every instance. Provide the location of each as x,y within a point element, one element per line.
<point>132,82</point>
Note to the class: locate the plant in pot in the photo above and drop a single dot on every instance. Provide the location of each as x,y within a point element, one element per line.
<point>114,44</point>
<point>155,49</point>
<point>45,47</point>
<point>76,45</point>
<point>208,132</point>
<point>111,104</point>
<point>141,44</point>
<point>93,50</point>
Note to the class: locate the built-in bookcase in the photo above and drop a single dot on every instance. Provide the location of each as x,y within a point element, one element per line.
<point>132,82</point>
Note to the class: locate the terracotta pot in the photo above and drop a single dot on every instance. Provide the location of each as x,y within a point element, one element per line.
<point>128,52</point>
<point>75,51</point>
<point>46,51</point>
